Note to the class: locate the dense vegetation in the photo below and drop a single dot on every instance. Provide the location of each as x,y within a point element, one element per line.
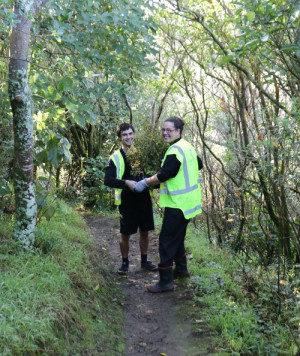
<point>230,69</point>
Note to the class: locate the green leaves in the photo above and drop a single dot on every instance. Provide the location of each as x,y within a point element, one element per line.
<point>225,60</point>
<point>148,151</point>
<point>79,119</point>
<point>4,188</point>
<point>56,152</point>
<point>292,48</point>
<point>250,16</point>
<point>65,84</point>
<point>87,59</point>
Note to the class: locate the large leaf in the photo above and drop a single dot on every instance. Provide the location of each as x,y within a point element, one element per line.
<point>65,84</point>
<point>79,119</point>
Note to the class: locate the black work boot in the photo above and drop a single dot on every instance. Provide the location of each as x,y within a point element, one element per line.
<point>165,283</point>
<point>180,270</point>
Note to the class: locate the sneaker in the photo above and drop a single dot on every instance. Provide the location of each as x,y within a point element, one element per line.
<point>123,269</point>
<point>149,266</point>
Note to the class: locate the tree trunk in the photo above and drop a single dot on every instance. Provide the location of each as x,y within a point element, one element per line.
<point>21,104</point>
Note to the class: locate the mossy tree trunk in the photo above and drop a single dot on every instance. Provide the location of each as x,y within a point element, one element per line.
<point>21,104</point>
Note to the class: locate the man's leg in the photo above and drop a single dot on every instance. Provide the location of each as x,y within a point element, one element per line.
<point>144,243</point>
<point>124,247</point>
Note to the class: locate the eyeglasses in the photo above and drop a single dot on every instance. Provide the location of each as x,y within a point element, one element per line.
<point>167,130</point>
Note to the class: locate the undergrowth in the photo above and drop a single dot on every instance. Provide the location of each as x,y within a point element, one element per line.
<point>60,300</point>
<point>56,300</point>
<point>243,309</point>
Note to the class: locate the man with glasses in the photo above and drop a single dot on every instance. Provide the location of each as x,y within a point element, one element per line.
<point>135,209</point>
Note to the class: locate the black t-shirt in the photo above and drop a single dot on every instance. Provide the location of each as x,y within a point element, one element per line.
<point>128,197</point>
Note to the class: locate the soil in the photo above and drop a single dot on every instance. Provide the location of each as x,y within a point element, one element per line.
<point>154,324</point>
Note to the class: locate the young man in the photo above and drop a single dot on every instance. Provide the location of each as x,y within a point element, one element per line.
<point>135,209</point>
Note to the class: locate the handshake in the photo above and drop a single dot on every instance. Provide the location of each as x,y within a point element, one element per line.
<point>137,186</point>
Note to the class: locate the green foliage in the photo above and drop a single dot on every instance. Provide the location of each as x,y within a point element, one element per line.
<point>6,203</point>
<point>52,149</point>
<point>46,202</point>
<point>57,302</point>
<point>95,193</point>
<point>110,41</point>
<point>146,155</point>
<point>6,148</point>
<point>239,300</point>
<point>4,188</point>
<point>239,69</point>
<point>6,145</point>
<point>86,59</point>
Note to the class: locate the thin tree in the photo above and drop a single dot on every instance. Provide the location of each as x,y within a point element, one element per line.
<point>21,104</point>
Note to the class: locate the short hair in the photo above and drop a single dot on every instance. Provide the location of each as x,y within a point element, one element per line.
<point>124,127</point>
<point>178,123</point>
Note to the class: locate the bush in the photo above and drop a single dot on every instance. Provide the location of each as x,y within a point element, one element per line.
<point>147,153</point>
<point>95,193</point>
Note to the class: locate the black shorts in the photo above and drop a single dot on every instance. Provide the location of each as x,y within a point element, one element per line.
<point>136,216</point>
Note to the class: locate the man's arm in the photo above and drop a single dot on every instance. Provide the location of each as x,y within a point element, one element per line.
<point>110,177</point>
<point>111,180</point>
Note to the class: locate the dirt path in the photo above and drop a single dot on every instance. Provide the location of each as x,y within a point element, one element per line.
<point>155,324</point>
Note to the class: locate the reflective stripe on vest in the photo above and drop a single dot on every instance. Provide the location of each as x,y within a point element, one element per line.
<point>117,162</point>
<point>120,168</point>
<point>193,210</point>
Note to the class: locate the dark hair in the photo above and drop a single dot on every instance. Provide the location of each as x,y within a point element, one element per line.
<point>124,127</point>
<point>178,123</point>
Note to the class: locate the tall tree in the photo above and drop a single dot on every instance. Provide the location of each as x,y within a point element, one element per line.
<point>21,104</point>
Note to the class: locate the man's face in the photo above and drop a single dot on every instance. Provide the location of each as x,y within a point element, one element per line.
<point>127,138</point>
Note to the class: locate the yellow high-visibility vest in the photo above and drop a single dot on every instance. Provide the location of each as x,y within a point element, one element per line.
<point>184,190</point>
<point>118,160</point>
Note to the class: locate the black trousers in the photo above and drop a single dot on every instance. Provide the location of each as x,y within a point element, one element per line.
<point>171,237</point>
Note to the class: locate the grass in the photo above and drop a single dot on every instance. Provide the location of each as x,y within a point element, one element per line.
<point>60,300</point>
<point>225,304</point>
<point>55,300</point>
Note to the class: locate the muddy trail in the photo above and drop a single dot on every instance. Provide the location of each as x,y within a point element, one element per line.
<point>154,324</point>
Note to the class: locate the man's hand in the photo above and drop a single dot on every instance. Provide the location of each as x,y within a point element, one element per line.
<point>130,184</point>
<point>141,186</point>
